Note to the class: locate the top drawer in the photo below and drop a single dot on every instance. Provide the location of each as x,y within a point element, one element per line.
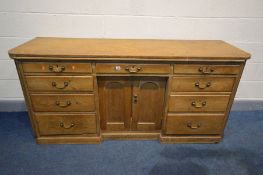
<point>57,67</point>
<point>116,68</point>
<point>206,69</point>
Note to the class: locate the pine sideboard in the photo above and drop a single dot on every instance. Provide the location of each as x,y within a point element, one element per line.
<point>88,90</point>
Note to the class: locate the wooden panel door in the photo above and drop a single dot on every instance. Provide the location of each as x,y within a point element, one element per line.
<point>115,103</point>
<point>148,103</point>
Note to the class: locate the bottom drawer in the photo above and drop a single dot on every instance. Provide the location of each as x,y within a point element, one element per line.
<point>57,124</point>
<point>194,124</point>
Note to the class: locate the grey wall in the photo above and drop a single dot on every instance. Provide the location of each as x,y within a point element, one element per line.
<point>239,22</point>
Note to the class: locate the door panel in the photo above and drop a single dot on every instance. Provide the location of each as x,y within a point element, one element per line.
<point>115,103</point>
<point>148,103</point>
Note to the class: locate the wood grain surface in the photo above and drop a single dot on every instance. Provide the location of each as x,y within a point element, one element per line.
<point>131,48</point>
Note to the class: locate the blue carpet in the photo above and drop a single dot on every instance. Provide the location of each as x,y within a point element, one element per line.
<point>240,153</point>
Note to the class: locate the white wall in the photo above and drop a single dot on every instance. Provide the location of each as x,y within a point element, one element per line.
<point>239,22</point>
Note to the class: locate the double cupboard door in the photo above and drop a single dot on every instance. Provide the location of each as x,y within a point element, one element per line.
<point>131,103</point>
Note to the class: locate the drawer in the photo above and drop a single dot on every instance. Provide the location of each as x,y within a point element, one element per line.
<point>206,69</point>
<point>198,103</point>
<point>57,67</point>
<point>202,84</point>
<point>63,102</point>
<point>194,124</point>
<point>116,68</point>
<point>57,124</point>
<point>59,83</point>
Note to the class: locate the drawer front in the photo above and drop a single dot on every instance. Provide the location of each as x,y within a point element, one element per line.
<point>194,124</point>
<point>198,103</point>
<point>63,102</point>
<point>116,68</point>
<point>59,83</point>
<point>206,69</point>
<point>57,67</point>
<point>57,124</point>
<point>202,84</point>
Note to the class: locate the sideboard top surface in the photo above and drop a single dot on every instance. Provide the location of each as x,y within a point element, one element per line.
<point>118,49</point>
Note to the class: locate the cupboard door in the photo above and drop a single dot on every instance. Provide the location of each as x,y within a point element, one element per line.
<point>115,103</point>
<point>148,103</point>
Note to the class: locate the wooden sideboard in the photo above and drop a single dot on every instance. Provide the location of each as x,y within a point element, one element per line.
<point>90,90</point>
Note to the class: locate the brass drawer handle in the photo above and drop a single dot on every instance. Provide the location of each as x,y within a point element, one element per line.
<point>133,69</point>
<point>56,68</point>
<point>206,70</point>
<point>54,84</point>
<point>202,85</point>
<point>193,125</point>
<point>62,125</point>
<point>63,104</point>
<point>198,104</point>
<point>135,99</point>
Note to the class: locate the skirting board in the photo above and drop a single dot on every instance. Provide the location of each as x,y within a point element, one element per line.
<point>239,105</point>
